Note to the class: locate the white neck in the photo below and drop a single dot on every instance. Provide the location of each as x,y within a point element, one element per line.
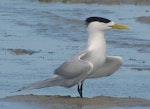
<point>96,44</point>
<point>96,41</point>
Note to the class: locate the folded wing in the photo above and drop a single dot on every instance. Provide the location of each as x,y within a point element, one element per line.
<point>74,67</point>
<point>111,64</point>
<point>68,74</point>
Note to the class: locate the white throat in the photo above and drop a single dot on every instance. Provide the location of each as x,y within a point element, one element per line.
<point>96,41</point>
<point>97,48</point>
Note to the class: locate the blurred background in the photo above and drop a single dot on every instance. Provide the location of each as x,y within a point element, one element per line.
<point>36,36</point>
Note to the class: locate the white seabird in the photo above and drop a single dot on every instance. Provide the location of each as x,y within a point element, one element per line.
<point>92,62</point>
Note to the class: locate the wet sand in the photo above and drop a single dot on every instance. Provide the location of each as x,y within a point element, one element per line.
<point>67,102</point>
<point>144,19</point>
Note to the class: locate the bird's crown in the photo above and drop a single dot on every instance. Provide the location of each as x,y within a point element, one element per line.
<point>98,19</point>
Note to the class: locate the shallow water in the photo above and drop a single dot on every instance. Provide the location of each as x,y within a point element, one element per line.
<point>57,30</point>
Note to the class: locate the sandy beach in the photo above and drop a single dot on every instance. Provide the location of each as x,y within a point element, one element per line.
<point>67,102</point>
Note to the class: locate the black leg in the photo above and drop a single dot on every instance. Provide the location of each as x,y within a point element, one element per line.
<point>80,89</point>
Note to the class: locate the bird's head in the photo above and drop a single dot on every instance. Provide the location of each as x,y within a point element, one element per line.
<point>101,24</point>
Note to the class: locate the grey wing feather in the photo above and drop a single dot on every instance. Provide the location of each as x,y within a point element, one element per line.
<point>48,82</point>
<point>111,64</point>
<point>74,67</point>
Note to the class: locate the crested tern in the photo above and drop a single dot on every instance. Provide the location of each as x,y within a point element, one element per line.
<point>92,62</point>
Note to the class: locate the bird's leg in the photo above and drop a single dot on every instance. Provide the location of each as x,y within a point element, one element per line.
<point>80,89</point>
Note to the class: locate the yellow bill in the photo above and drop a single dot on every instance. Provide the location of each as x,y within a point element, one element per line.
<point>120,26</point>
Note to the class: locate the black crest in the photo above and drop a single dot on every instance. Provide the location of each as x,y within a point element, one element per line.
<point>99,19</point>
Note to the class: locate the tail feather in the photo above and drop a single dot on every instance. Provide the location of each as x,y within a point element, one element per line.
<point>53,81</point>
